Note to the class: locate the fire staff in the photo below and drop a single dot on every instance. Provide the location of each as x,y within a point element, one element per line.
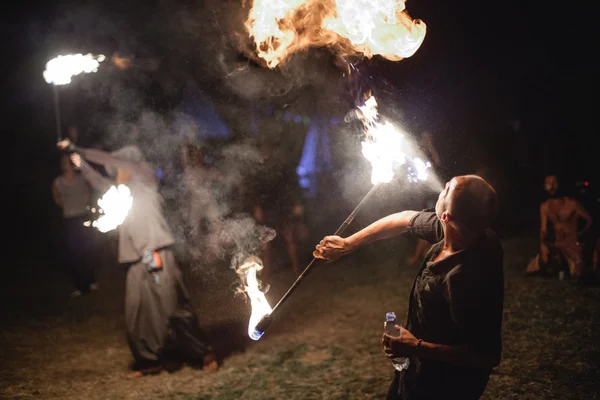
<point>453,329</point>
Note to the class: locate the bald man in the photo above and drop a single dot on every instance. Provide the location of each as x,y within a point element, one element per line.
<point>452,334</point>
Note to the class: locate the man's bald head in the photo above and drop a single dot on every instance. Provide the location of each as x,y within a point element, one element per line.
<point>470,202</point>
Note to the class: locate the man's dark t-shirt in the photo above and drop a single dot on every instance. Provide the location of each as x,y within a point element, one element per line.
<point>455,301</point>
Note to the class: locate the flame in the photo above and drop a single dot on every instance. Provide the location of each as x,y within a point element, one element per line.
<point>114,207</point>
<point>260,306</point>
<point>61,69</point>
<point>367,28</point>
<point>385,147</point>
<point>419,170</point>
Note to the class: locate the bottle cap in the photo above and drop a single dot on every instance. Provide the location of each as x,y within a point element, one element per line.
<point>390,317</point>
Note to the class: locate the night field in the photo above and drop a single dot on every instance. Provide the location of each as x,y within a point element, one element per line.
<point>324,345</point>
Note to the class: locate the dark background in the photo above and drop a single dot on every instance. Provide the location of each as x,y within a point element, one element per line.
<point>482,64</point>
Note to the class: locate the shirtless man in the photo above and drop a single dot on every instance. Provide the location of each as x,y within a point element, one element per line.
<point>564,214</point>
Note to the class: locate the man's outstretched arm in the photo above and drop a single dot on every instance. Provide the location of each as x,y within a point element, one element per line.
<point>333,247</point>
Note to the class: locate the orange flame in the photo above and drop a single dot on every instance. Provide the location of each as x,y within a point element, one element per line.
<point>367,28</point>
<point>260,306</point>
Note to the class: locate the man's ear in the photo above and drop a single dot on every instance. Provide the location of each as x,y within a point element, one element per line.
<point>445,218</point>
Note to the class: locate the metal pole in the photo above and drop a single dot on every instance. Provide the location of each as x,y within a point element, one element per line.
<point>264,323</point>
<point>57,113</point>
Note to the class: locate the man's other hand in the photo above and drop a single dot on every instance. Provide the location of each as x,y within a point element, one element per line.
<point>404,345</point>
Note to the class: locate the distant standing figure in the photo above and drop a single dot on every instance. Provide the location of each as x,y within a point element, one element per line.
<point>277,203</point>
<point>204,210</point>
<point>71,193</point>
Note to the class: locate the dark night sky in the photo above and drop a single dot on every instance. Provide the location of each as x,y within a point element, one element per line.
<point>482,63</point>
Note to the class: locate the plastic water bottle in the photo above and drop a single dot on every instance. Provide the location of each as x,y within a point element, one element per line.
<point>400,363</point>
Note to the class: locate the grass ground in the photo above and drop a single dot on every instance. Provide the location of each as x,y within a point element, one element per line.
<point>324,345</point>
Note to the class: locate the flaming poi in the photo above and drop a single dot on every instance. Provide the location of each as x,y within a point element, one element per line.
<point>114,206</point>
<point>280,28</point>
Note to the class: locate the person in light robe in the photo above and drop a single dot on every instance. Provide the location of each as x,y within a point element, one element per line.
<point>161,324</point>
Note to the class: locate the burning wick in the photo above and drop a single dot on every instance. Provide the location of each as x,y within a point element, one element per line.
<point>260,306</point>
<point>385,147</point>
<point>114,206</point>
<point>61,69</point>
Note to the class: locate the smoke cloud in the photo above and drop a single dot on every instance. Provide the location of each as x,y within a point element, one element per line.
<point>152,56</point>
